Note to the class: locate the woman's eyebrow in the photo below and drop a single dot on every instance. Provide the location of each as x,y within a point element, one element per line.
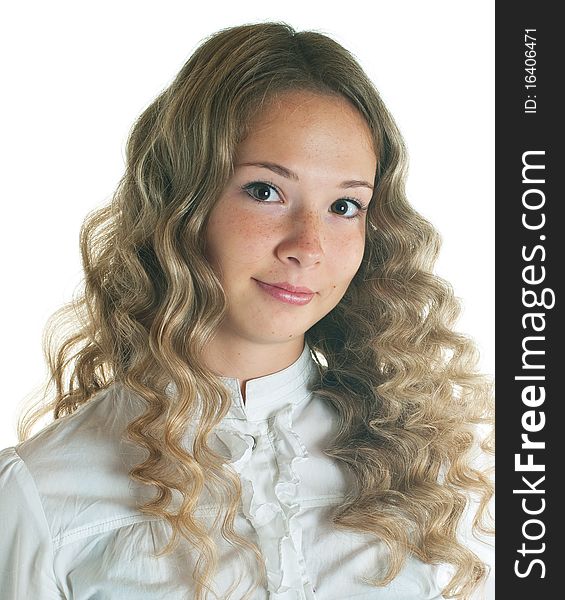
<point>284,172</point>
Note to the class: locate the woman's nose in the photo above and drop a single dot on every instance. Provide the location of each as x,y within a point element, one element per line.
<point>302,242</point>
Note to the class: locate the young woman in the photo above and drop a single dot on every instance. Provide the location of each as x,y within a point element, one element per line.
<point>264,397</point>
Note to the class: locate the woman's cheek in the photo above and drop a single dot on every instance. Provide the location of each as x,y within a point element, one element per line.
<point>255,240</point>
<point>349,248</point>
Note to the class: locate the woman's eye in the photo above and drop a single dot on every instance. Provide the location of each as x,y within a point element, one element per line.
<point>261,191</point>
<point>349,208</point>
<point>264,192</point>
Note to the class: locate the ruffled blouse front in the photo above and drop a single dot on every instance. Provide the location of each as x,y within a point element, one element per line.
<point>71,528</point>
<point>270,502</point>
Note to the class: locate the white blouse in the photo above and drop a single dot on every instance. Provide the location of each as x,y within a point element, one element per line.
<point>70,527</point>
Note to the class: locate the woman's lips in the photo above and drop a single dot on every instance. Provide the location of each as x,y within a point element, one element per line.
<point>283,295</point>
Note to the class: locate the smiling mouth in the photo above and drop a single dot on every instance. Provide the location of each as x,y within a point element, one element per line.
<point>285,295</point>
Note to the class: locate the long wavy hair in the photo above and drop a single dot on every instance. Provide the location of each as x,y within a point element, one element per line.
<point>408,396</point>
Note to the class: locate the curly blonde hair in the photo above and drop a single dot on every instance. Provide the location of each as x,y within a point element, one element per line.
<point>403,382</point>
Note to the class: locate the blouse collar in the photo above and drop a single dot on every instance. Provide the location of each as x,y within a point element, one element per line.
<point>266,395</point>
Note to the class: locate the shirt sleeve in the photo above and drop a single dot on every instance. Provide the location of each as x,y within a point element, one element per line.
<point>26,550</point>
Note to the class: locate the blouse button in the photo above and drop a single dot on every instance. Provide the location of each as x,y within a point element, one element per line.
<point>254,442</point>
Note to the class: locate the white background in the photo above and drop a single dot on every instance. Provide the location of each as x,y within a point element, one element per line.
<point>76,75</point>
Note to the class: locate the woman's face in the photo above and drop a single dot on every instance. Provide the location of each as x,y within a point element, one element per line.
<point>289,216</point>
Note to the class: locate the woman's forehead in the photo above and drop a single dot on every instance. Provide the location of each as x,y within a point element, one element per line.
<point>311,126</point>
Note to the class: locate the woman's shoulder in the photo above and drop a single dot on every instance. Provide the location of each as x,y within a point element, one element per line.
<point>88,433</point>
<point>77,467</point>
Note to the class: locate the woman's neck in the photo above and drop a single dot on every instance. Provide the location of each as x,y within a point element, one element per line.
<point>244,359</point>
